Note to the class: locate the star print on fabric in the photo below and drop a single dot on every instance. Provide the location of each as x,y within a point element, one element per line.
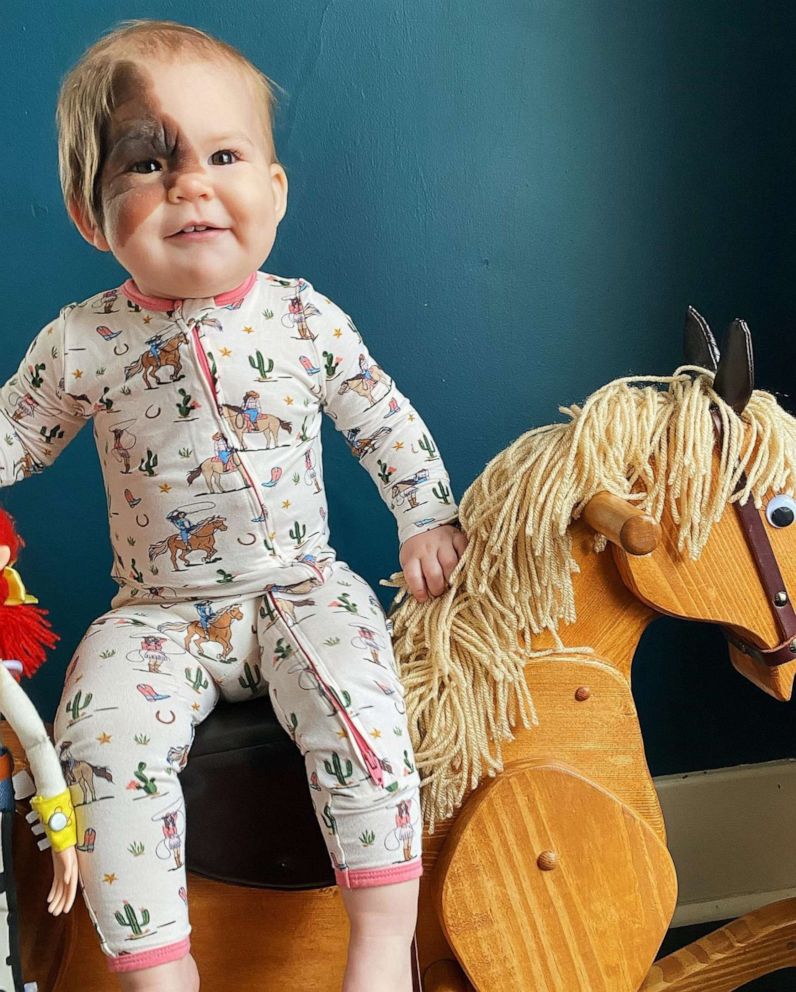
<point>411,418</point>
<point>165,488</point>
<point>147,318</point>
<point>77,373</point>
<point>109,878</point>
<point>285,504</point>
<point>195,706</point>
<point>104,738</point>
<point>226,352</point>
<point>375,732</point>
<point>248,330</point>
<point>398,445</point>
<point>288,400</point>
<point>342,733</point>
<point>337,332</point>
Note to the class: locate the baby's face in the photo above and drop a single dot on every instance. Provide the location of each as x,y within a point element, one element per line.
<point>186,147</point>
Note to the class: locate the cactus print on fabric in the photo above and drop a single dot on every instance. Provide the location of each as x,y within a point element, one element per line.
<point>207,417</point>
<point>207,421</point>
<point>145,675</point>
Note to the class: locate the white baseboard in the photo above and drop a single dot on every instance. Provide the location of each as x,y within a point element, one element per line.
<point>732,836</point>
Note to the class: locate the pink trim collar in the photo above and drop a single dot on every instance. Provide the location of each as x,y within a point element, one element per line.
<point>131,291</point>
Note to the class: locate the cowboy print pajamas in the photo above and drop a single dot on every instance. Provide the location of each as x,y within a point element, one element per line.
<point>207,420</point>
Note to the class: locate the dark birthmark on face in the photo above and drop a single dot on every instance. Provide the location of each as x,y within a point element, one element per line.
<point>138,130</point>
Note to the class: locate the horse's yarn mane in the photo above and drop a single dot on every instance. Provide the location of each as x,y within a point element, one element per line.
<point>459,655</point>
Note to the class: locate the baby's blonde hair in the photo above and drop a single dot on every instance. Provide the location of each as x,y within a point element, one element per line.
<point>86,98</point>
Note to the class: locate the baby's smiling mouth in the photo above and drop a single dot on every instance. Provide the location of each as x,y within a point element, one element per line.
<point>196,232</point>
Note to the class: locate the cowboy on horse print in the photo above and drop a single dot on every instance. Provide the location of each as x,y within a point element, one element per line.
<point>158,355</point>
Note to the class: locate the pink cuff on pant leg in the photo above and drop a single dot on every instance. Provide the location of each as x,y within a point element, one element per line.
<point>150,959</point>
<point>362,878</point>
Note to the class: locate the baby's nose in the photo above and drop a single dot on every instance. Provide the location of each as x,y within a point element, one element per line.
<point>189,184</point>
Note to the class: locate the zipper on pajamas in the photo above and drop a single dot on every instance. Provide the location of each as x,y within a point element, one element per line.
<point>203,362</point>
<point>366,752</point>
<point>200,354</point>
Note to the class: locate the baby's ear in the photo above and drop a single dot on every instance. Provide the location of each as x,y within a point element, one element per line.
<point>86,226</point>
<point>279,187</point>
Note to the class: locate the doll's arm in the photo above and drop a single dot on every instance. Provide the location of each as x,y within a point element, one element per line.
<point>52,801</point>
<point>27,725</point>
<point>37,416</point>
<point>382,429</point>
<point>62,892</point>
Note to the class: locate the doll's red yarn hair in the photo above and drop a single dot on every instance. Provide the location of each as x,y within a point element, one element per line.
<point>25,634</point>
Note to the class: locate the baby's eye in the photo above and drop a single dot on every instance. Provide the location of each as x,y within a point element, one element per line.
<point>233,156</point>
<point>144,162</point>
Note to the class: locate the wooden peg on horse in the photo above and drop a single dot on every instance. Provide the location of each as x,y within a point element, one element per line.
<point>623,524</point>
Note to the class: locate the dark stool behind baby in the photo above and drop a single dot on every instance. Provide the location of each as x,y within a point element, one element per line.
<point>250,819</point>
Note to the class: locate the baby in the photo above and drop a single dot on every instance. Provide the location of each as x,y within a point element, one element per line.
<point>205,380</point>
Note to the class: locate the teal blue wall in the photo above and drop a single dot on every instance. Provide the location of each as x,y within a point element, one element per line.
<point>515,201</point>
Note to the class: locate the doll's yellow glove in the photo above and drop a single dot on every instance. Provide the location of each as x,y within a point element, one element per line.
<point>58,819</point>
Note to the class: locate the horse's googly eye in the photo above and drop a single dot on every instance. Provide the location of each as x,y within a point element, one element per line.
<point>781,511</point>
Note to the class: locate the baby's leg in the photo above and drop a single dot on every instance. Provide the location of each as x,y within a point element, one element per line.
<point>123,730</point>
<point>328,660</point>
<point>383,919</point>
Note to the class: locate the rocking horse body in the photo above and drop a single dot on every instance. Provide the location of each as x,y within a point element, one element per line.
<point>553,874</point>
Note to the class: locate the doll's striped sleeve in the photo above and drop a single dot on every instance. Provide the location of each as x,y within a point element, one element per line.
<point>38,418</point>
<point>382,428</point>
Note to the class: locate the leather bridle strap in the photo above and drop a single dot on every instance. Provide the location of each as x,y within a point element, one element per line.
<point>770,576</point>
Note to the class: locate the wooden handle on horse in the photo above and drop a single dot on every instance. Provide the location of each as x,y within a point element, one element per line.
<point>623,524</point>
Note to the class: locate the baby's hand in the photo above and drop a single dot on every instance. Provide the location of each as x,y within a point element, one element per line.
<point>429,558</point>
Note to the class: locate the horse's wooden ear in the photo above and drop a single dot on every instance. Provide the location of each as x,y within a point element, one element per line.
<point>699,345</point>
<point>735,375</point>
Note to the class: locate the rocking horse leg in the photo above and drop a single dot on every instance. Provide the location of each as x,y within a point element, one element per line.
<point>753,945</point>
<point>539,877</point>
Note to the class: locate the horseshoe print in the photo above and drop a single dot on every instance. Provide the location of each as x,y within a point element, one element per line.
<point>146,519</point>
<point>160,719</point>
<point>125,348</point>
<point>248,543</point>
<point>154,415</point>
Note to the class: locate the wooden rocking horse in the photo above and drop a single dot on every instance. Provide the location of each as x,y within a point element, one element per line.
<point>552,874</point>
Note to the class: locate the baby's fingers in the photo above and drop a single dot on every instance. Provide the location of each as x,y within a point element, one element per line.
<point>432,572</point>
<point>448,559</point>
<point>413,574</point>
